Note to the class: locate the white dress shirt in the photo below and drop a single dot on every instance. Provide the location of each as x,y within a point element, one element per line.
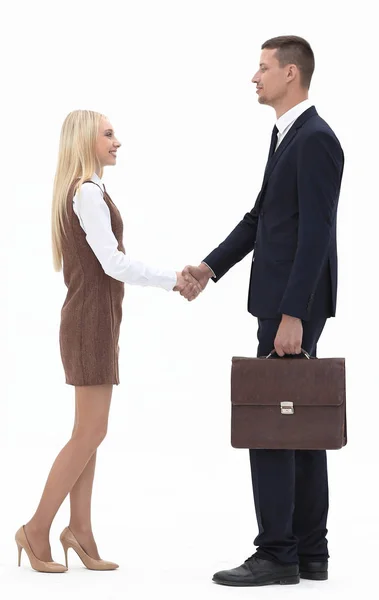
<point>94,217</point>
<point>285,122</point>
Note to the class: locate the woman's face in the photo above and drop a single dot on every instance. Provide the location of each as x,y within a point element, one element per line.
<point>106,144</point>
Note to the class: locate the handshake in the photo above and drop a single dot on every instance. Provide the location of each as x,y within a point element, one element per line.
<point>192,280</point>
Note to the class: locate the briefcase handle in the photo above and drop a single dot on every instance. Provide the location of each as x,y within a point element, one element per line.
<point>304,352</point>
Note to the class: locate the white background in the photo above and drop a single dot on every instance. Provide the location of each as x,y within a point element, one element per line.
<point>172,499</point>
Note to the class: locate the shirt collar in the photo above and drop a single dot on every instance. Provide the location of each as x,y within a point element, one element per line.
<point>96,179</point>
<point>292,114</point>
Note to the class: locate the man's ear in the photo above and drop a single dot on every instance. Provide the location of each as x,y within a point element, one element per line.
<point>292,72</point>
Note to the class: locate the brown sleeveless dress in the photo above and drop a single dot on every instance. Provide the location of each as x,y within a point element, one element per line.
<point>92,312</point>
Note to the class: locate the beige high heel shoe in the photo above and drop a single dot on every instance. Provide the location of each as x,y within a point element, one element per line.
<point>36,564</point>
<point>68,540</point>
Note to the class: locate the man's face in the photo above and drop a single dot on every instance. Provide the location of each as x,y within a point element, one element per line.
<point>271,79</point>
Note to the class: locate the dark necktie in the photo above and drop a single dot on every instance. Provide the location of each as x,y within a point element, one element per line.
<point>274,141</point>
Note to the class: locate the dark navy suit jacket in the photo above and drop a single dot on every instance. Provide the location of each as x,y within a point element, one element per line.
<point>292,227</point>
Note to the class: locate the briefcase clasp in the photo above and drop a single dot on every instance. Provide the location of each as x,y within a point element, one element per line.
<point>286,408</point>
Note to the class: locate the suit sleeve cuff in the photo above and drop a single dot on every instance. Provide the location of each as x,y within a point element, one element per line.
<point>210,268</point>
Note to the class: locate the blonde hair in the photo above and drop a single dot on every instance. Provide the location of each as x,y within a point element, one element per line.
<point>77,162</point>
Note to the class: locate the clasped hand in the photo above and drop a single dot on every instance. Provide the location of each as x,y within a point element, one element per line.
<point>192,280</point>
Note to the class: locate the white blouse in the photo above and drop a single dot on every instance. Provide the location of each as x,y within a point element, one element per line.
<point>94,217</point>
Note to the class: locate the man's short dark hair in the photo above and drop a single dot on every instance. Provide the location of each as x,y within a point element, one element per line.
<point>291,49</point>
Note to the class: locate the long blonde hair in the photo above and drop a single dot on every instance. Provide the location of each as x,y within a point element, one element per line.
<point>77,161</point>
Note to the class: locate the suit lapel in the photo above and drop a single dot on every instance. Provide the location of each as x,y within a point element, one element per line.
<point>288,138</point>
<point>278,153</point>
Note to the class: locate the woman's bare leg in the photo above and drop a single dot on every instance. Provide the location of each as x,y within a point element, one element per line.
<point>80,503</point>
<point>80,509</point>
<point>92,411</point>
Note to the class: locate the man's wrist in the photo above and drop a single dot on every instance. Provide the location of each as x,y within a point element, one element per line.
<point>289,318</point>
<point>206,269</point>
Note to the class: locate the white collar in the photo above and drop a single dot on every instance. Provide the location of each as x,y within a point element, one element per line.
<point>96,179</point>
<point>292,114</point>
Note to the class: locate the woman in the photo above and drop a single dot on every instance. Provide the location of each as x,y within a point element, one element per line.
<point>87,235</point>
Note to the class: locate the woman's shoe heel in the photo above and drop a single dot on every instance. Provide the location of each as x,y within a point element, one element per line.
<point>19,554</point>
<point>68,540</point>
<point>36,564</point>
<point>65,548</point>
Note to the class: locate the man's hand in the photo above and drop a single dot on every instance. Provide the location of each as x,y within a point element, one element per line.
<point>187,285</point>
<point>202,274</point>
<point>289,336</point>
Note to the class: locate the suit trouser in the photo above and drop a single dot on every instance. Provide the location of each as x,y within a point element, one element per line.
<point>290,486</point>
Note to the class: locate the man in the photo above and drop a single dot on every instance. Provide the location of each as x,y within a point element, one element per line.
<point>293,285</point>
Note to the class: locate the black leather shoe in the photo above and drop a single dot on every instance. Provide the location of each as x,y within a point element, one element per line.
<point>257,571</point>
<point>317,571</point>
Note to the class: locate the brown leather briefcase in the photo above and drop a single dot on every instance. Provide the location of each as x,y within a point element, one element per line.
<point>286,403</point>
